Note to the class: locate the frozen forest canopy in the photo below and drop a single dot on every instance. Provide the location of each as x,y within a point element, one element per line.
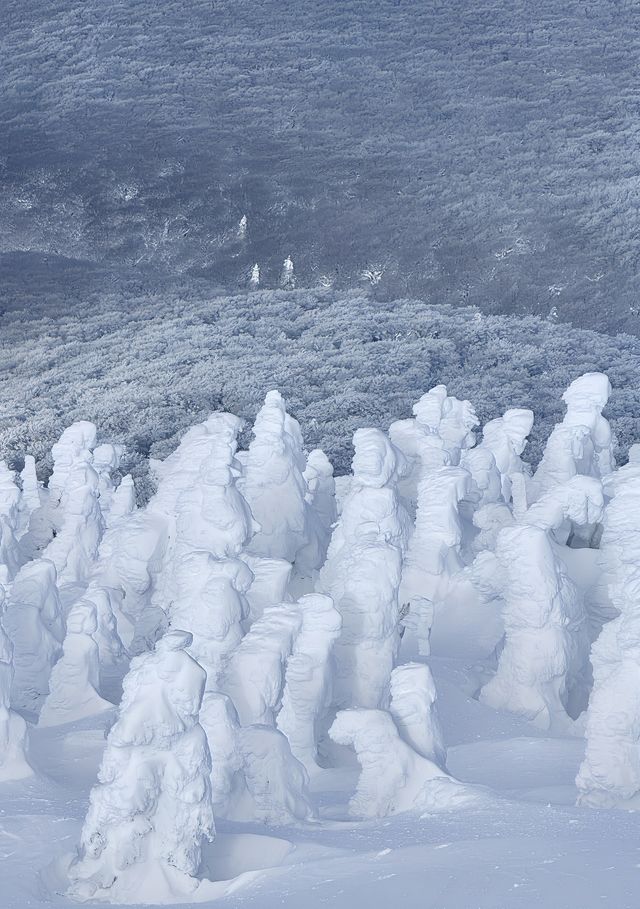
<point>264,645</point>
<point>145,359</point>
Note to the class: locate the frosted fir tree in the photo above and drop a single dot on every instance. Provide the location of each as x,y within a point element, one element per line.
<point>211,513</point>
<point>144,551</point>
<point>287,276</point>
<point>151,809</point>
<point>275,780</point>
<point>308,689</point>
<point>123,501</point>
<point>321,513</point>
<point>506,438</point>
<point>457,427</point>
<point>105,461</point>
<point>213,525</point>
<point>255,672</point>
<point>211,601</point>
<point>274,484</point>
<point>434,557</point>
<point>486,482</point>
<point>74,549</point>
<point>254,277</point>
<point>363,570</point>
<point>242,227</point>
<point>107,604</point>
<point>9,496</point>
<point>10,554</point>
<point>130,560</point>
<point>74,447</point>
<point>394,778</point>
<point>609,776</point>
<point>31,498</point>
<point>543,668</point>
<point>583,443</point>
<point>74,682</point>
<point>413,708</point>
<point>14,764</point>
<point>441,429</point>
<point>420,442</point>
<point>269,586</point>
<point>254,775</point>
<point>33,621</point>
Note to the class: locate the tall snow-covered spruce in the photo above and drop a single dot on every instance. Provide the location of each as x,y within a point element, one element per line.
<point>151,809</point>
<point>609,776</point>
<point>363,571</point>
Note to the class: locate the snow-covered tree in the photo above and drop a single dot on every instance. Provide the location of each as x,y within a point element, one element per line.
<point>151,809</point>
<point>274,484</point>
<point>80,526</point>
<point>321,512</point>
<point>33,621</point>
<point>287,276</point>
<point>105,461</point>
<point>211,601</point>
<point>254,674</point>
<point>413,708</point>
<point>308,679</point>
<point>10,555</point>
<point>123,500</point>
<point>543,668</point>
<point>609,776</point>
<point>583,443</point>
<point>434,554</point>
<point>31,498</point>
<point>394,777</point>
<point>73,448</point>
<point>506,438</point>
<point>275,780</point>
<point>74,682</point>
<point>14,764</point>
<point>362,572</point>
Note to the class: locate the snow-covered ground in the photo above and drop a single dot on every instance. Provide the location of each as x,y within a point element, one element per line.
<point>528,846</point>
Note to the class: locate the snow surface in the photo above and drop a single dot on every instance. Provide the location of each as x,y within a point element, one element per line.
<point>524,848</point>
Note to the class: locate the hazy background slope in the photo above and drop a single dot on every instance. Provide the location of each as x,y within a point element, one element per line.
<point>466,152</point>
